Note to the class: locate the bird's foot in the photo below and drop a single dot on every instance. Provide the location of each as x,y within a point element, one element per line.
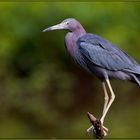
<point>91,130</point>
<point>97,129</point>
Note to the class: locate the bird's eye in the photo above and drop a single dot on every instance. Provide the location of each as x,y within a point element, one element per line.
<point>67,23</point>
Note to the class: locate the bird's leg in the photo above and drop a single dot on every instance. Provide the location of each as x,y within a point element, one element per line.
<point>110,101</point>
<point>91,128</point>
<point>106,98</point>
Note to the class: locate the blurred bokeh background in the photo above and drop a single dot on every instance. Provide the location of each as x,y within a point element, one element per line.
<point>43,94</point>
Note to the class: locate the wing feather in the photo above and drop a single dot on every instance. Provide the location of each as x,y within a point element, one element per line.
<point>103,54</point>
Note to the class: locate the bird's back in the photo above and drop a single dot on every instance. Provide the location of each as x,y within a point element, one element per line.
<point>102,58</point>
<point>96,40</point>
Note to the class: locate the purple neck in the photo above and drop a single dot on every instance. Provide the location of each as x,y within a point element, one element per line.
<point>79,31</point>
<point>71,39</point>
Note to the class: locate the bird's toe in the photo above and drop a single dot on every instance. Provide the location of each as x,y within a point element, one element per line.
<point>91,130</point>
<point>105,130</point>
<point>105,133</point>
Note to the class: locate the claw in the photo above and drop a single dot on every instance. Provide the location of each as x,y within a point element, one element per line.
<point>91,130</point>
<point>105,129</point>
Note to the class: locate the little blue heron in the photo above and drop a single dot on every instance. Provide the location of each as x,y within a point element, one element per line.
<point>98,56</point>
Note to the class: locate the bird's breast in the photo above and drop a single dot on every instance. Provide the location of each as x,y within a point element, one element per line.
<point>70,43</point>
<point>73,50</point>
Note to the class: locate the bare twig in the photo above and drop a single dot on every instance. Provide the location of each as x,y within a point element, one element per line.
<point>98,127</point>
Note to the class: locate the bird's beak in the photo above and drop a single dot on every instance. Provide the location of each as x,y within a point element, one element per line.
<point>56,27</point>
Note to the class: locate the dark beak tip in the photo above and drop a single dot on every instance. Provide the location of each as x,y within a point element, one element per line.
<point>44,30</point>
<point>47,29</point>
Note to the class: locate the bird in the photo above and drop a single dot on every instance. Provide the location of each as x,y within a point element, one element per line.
<point>99,57</point>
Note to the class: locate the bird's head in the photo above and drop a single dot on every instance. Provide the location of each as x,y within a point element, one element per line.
<point>69,24</point>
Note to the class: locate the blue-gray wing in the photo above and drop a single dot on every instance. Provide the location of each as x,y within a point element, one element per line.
<point>104,54</point>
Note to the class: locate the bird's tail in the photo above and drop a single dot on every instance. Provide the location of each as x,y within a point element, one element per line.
<point>136,75</point>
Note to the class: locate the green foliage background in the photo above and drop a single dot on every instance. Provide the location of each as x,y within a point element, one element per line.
<point>42,93</point>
